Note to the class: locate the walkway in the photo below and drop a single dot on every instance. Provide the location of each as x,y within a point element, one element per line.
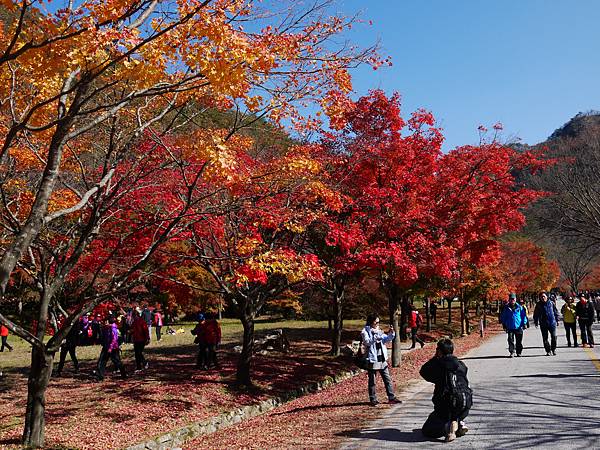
<point>532,401</point>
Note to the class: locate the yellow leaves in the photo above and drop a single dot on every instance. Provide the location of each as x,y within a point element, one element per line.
<point>61,199</point>
<point>223,157</point>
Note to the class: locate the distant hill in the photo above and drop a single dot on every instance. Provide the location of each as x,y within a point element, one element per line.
<point>577,125</point>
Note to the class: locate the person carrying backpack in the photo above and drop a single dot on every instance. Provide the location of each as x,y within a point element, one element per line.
<point>545,315</point>
<point>414,322</point>
<point>452,397</point>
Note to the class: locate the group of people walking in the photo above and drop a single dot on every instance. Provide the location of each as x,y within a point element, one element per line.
<point>514,319</point>
<point>132,326</point>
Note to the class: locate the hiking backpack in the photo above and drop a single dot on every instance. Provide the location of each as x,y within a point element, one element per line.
<point>457,396</point>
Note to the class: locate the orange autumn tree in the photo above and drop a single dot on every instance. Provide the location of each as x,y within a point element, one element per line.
<point>523,268</point>
<point>84,81</point>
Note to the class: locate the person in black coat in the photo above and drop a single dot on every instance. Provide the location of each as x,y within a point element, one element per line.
<point>69,346</point>
<point>443,421</point>
<point>584,310</point>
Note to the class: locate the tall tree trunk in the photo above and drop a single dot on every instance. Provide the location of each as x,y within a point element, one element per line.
<point>427,314</point>
<point>449,301</point>
<point>404,312</point>
<point>244,363</point>
<point>463,323</point>
<point>39,376</point>
<point>394,316</point>
<point>336,335</point>
<point>485,310</point>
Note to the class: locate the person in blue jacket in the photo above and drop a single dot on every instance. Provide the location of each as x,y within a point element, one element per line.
<point>514,321</point>
<point>374,340</point>
<point>545,315</point>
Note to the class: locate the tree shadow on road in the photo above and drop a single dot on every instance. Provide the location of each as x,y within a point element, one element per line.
<point>499,357</point>
<point>388,434</point>
<point>558,375</point>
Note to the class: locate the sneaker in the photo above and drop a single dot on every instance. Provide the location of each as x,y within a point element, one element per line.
<point>146,365</point>
<point>547,353</point>
<point>452,432</point>
<point>137,370</point>
<point>568,344</point>
<point>462,430</point>
<point>394,401</point>
<point>422,344</point>
<point>374,403</point>
<point>518,354</point>
<point>591,345</point>
<point>576,345</point>
<point>510,355</point>
<point>553,353</point>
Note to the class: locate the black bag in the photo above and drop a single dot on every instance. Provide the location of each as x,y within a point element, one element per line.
<point>457,396</point>
<point>361,359</point>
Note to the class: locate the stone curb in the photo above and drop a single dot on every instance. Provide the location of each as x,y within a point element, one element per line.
<point>175,438</point>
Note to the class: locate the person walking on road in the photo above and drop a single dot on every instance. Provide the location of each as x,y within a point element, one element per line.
<point>546,316</point>
<point>585,315</point>
<point>414,322</point>
<point>374,340</point>
<point>452,397</point>
<point>514,321</point>
<point>569,320</point>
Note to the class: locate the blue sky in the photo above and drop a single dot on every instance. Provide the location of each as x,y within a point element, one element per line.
<point>530,64</point>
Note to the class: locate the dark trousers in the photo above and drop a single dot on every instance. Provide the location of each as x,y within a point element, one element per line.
<point>158,335</point>
<point>115,357</point>
<point>415,338</point>
<point>571,329</point>
<point>70,349</point>
<point>437,425</point>
<point>434,315</point>
<point>211,355</point>
<point>552,331</point>
<point>387,381</point>
<point>138,350</point>
<point>515,335</point>
<point>202,358</point>
<point>5,344</point>
<point>598,315</point>
<point>586,332</point>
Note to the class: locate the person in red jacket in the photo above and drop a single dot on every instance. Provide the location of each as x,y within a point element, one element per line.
<point>212,336</point>
<point>200,332</point>
<point>414,321</point>
<point>4,335</point>
<point>140,336</point>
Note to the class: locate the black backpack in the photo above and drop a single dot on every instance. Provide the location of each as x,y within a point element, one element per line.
<point>458,396</point>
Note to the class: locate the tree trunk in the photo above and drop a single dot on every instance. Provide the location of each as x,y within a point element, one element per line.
<point>243,368</point>
<point>39,376</point>
<point>463,323</point>
<point>336,335</point>
<point>449,301</point>
<point>393,310</point>
<point>427,314</point>
<point>485,310</point>
<point>404,312</point>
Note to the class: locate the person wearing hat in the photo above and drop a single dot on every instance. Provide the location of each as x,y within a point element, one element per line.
<point>514,321</point>
<point>200,332</point>
<point>570,319</point>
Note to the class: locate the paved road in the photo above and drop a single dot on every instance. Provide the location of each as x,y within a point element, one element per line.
<point>532,401</point>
